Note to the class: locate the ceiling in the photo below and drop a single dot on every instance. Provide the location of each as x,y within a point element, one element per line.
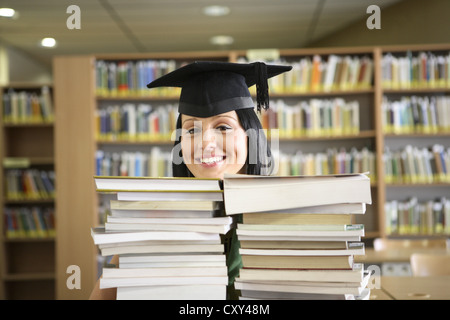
<point>124,26</point>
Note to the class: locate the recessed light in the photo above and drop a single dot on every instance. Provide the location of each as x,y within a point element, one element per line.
<point>216,11</point>
<point>48,42</point>
<point>8,13</point>
<point>222,40</point>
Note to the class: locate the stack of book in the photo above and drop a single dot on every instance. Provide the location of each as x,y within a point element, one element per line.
<point>297,240</point>
<point>169,236</point>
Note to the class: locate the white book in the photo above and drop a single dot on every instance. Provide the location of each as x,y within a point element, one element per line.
<point>173,292</point>
<point>109,273</point>
<point>198,221</point>
<point>101,236</point>
<point>161,249</point>
<point>247,193</point>
<point>221,229</point>
<point>170,196</point>
<point>119,183</point>
<point>352,250</point>
<point>298,238</point>
<point>160,281</point>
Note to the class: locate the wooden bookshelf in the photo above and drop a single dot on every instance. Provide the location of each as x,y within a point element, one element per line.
<point>76,144</point>
<point>27,269</point>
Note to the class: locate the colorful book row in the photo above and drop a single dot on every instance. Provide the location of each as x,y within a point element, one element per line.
<point>130,78</point>
<point>27,107</point>
<point>29,184</point>
<point>131,122</point>
<point>414,165</point>
<point>156,163</point>
<point>412,217</point>
<point>323,74</point>
<point>419,70</point>
<point>423,115</point>
<point>313,118</point>
<point>332,161</point>
<point>29,222</point>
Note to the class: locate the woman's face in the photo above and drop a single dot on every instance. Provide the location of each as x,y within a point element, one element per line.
<point>213,146</point>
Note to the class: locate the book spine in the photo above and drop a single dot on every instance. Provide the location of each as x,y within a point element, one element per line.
<point>420,115</point>
<point>131,122</point>
<point>27,107</point>
<point>413,217</point>
<point>413,71</point>
<point>332,161</point>
<point>153,164</point>
<point>413,165</point>
<point>29,222</point>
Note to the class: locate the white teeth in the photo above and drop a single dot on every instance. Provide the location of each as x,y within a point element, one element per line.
<point>211,160</point>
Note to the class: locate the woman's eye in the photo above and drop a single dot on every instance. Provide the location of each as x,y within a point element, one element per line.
<point>194,130</point>
<point>223,128</point>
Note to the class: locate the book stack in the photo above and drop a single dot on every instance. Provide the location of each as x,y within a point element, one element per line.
<point>297,240</point>
<point>169,236</point>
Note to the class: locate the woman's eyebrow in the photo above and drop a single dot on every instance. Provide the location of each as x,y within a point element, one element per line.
<point>219,116</point>
<point>189,119</point>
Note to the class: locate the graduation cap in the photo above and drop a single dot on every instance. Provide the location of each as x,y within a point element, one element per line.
<point>210,88</point>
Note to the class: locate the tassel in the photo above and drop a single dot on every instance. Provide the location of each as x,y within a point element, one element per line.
<point>262,87</point>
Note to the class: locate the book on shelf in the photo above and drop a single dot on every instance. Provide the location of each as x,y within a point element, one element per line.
<point>416,115</point>
<point>415,70</point>
<point>157,239</point>
<point>247,193</point>
<point>320,73</point>
<point>414,165</point>
<point>331,161</point>
<point>313,118</point>
<point>135,122</point>
<point>302,247</point>
<point>155,163</point>
<point>130,78</point>
<point>29,184</point>
<point>25,107</point>
<point>417,218</point>
<point>29,222</point>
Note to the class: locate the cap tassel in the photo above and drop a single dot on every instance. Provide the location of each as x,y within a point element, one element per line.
<point>262,87</point>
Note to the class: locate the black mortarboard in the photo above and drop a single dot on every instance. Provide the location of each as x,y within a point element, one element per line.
<point>209,88</point>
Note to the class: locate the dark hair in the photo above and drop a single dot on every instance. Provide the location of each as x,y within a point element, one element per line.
<point>259,156</point>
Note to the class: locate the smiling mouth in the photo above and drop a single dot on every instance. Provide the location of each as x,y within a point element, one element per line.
<point>211,160</point>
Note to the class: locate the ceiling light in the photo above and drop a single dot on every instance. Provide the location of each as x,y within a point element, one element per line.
<point>8,13</point>
<point>222,40</point>
<point>48,42</point>
<point>216,11</point>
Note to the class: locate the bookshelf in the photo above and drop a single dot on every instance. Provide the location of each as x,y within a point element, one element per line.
<point>27,199</point>
<point>81,146</point>
<point>416,128</point>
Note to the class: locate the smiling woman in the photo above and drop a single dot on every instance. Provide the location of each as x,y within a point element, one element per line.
<point>218,130</point>
<point>213,146</point>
